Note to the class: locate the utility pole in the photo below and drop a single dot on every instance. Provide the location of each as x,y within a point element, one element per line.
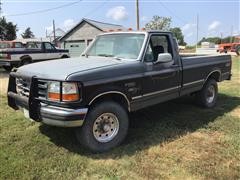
<point>137,13</point>
<point>197,32</point>
<point>54,33</point>
<point>231,38</point>
<point>221,37</point>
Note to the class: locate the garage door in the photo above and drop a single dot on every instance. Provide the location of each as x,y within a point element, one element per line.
<point>75,48</point>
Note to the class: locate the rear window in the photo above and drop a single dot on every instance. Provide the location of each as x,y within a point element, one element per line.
<point>18,45</point>
<point>34,45</point>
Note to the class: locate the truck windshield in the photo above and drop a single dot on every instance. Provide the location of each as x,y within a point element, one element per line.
<point>124,46</point>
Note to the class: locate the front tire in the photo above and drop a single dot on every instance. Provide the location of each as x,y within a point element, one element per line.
<point>207,97</point>
<point>104,128</point>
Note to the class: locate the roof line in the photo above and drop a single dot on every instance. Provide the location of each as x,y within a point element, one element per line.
<point>102,22</point>
<point>88,21</point>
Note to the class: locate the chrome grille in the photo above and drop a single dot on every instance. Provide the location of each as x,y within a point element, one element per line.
<point>42,89</point>
<point>23,87</point>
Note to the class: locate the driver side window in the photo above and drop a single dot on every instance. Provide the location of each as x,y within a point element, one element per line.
<point>158,44</point>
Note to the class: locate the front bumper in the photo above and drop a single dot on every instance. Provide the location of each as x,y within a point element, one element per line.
<point>63,117</point>
<point>42,112</point>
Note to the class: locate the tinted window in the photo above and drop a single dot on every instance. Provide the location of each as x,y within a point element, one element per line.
<point>49,46</point>
<point>34,45</point>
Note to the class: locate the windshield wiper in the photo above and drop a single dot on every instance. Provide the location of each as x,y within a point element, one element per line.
<point>105,55</point>
<point>109,55</point>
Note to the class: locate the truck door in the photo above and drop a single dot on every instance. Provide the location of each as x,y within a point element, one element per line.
<point>51,51</point>
<point>161,80</point>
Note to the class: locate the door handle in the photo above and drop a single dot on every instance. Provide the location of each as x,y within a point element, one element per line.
<point>174,65</point>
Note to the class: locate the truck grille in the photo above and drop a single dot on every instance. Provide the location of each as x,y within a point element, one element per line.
<point>42,89</point>
<point>23,87</point>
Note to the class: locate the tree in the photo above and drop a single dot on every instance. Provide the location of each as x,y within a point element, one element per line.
<point>159,23</point>
<point>215,40</point>
<point>177,32</point>
<point>8,30</point>
<point>27,34</point>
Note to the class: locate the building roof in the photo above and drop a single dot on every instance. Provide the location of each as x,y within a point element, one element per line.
<point>99,25</point>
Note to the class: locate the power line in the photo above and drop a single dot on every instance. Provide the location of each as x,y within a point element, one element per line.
<point>180,18</point>
<point>97,8</point>
<point>44,10</point>
<point>171,12</point>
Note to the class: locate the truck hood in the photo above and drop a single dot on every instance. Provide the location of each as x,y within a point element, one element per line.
<point>60,69</point>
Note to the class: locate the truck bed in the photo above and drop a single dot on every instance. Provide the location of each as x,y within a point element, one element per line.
<point>201,66</point>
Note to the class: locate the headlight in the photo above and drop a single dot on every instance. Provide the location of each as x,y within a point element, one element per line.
<point>69,91</point>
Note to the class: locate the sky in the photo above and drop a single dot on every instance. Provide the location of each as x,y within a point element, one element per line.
<point>216,17</point>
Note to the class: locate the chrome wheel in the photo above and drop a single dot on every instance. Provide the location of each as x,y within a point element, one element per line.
<point>105,127</point>
<point>210,94</point>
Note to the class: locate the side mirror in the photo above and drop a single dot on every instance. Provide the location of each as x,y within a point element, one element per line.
<point>164,58</point>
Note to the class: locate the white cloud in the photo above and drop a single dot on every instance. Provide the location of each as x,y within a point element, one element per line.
<point>49,28</point>
<point>144,18</point>
<point>68,24</point>
<point>214,25</point>
<point>188,27</point>
<point>65,25</point>
<point>189,34</point>
<point>117,13</point>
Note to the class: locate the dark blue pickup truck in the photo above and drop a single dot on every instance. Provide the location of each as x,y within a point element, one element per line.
<point>118,73</point>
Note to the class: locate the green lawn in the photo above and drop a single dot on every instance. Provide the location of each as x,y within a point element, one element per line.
<point>174,140</point>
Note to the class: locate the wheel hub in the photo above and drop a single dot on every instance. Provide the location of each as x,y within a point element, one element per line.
<point>105,127</point>
<point>210,94</point>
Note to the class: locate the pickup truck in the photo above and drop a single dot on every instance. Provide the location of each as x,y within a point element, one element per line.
<point>120,72</point>
<point>34,51</point>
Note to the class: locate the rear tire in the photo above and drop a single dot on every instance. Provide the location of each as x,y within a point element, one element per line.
<point>238,50</point>
<point>64,57</point>
<point>207,96</point>
<point>104,128</point>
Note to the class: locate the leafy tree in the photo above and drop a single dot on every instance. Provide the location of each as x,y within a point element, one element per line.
<point>8,30</point>
<point>177,32</point>
<point>27,33</point>
<point>159,23</point>
<point>228,39</point>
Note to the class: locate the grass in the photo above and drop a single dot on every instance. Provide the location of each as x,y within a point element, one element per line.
<point>173,140</point>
